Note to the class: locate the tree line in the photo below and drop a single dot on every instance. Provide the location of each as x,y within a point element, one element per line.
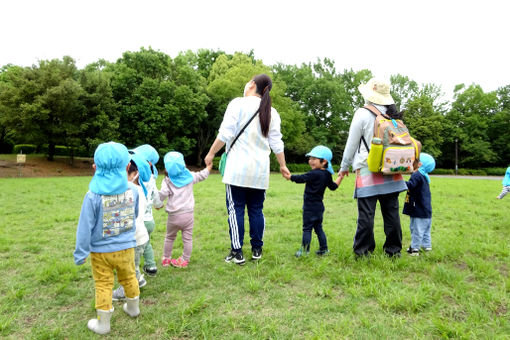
<point>178,104</point>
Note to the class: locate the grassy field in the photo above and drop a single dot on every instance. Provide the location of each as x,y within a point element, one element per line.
<point>459,290</point>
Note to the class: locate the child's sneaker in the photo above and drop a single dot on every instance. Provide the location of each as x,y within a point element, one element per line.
<point>179,263</point>
<point>236,257</point>
<point>413,251</point>
<point>165,262</point>
<point>322,252</point>
<point>427,249</point>
<point>118,294</point>
<point>142,282</point>
<point>150,270</point>
<point>302,252</point>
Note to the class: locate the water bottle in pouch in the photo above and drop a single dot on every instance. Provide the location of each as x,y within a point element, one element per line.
<point>375,155</point>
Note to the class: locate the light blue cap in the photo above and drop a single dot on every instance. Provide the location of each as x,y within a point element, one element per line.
<point>428,164</point>
<point>321,151</point>
<point>176,168</point>
<point>144,170</point>
<point>150,154</point>
<point>110,177</point>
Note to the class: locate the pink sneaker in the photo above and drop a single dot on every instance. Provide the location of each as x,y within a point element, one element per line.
<point>179,263</point>
<point>165,262</point>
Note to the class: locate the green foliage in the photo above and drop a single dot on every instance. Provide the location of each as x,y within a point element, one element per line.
<point>24,148</point>
<point>178,104</point>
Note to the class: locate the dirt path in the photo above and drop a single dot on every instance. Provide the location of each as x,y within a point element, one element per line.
<point>39,166</point>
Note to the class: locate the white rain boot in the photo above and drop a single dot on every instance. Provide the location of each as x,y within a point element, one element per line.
<point>101,325</point>
<point>131,307</point>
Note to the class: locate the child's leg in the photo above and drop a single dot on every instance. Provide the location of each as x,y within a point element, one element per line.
<point>187,235</point>
<point>323,241</point>
<point>504,191</point>
<point>415,233</point>
<point>171,233</point>
<point>138,255</point>
<point>125,267</point>
<point>102,271</point>
<point>426,240</point>
<point>308,225</point>
<point>148,254</point>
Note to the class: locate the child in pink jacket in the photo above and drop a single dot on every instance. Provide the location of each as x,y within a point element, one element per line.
<point>178,188</point>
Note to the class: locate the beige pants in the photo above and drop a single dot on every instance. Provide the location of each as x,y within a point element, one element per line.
<point>103,264</point>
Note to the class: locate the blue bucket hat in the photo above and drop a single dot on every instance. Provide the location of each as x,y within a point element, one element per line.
<point>144,170</point>
<point>321,151</point>
<point>176,168</point>
<point>428,164</point>
<point>150,154</point>
<point>110,177</point>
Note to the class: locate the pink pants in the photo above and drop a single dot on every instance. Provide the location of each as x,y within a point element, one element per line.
<point>184,223</point>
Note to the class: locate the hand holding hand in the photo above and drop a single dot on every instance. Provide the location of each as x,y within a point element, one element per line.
<point>285,172</point>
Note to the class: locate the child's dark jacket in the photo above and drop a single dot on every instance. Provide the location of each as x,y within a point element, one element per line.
<point>316,182</point>
<point>418,201</point>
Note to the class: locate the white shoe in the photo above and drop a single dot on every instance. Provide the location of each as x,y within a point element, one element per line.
<point>101,325</point>
<point>132,306</point>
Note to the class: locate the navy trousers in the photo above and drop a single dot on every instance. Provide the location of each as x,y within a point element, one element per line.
<point>364,242</point>
<point>237,199</point>
<point>312,220</point>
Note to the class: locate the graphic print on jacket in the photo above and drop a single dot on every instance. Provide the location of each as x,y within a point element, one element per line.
<point>118,213</point>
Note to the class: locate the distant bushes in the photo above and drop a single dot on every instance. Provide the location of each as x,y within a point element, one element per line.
<point>60,150</point>
<point>472,172</point>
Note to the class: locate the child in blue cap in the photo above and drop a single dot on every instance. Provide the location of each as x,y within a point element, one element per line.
<point>418,205</point>
<point>178,188</point>
<point>138,173</point>
<point>313,208</point>
<point>152,157</point>
<point>106,232</point>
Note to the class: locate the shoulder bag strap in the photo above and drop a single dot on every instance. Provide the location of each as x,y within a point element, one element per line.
<point>242,130</point>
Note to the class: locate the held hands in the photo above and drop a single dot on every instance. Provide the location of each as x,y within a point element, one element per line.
<point>208,160</point>
<point>209,166</point>
<point>285,172</point>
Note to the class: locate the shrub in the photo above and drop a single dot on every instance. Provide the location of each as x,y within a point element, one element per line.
<point>495,171</point>
<point>24,148</point>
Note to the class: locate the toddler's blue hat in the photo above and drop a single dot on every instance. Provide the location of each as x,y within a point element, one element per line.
<point>176,168</point>
<point>150,154</point>
<point>321,151</point>
<point>110,177</point>
<point>144,170</point>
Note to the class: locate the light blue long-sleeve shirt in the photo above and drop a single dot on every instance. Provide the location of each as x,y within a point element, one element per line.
<point>106,224</point>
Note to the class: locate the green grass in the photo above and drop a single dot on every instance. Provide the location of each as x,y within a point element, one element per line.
<point>459,290</point>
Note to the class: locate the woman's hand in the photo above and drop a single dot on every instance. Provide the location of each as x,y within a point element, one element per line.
<point>209,160</point>
<point>285,172</point>
<point>341,174</point>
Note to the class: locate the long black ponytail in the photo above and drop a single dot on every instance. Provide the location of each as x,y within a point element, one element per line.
<point>264,85</point>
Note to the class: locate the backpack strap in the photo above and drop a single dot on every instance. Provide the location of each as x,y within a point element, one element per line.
<point>364,142</point>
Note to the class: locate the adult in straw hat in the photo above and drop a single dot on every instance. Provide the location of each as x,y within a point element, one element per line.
<point>373,187</point>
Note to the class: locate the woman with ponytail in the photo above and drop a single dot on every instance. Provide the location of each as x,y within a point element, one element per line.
<point>246,175</point>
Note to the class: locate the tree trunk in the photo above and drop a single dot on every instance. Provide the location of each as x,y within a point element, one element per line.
<point>51,151</point>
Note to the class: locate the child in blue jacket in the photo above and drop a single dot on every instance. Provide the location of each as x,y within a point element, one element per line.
<point>506,185</point>
<point>418,205</point>
<point>106,232</point>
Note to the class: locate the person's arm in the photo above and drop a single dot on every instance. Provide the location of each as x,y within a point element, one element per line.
<point>86,223</point>
<point>156,200</point>
<point>338,180</point>
<point>200,176</point>
<point>301,178</point>
<point>413,181</point>
<point>280,157</point>
<point>215,147</point>
<point>165,191</point>
<point>352,144</point>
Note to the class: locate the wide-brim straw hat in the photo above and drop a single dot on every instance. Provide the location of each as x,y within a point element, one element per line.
<point>377,91</point>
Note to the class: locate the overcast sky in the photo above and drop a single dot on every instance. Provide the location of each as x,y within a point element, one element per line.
<point>445,42</point>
